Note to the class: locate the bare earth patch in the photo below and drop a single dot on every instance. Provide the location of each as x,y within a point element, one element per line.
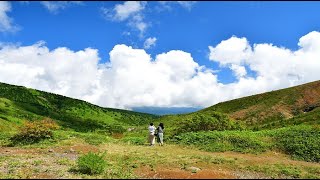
<point>176,173</point>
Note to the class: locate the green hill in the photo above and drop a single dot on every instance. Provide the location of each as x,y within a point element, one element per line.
<point>18,104</point>
<point>275,109</point>
<point>290,106</point>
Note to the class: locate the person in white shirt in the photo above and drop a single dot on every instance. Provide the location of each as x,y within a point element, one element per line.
<point>152,129</point>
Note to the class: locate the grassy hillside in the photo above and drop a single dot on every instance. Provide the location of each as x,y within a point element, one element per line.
<point>18,104</point>
<point>290,106</point>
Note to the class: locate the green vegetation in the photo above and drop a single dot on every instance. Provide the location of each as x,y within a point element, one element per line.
<point>18,103</point>
<point>221,141</point>
<point>91,163</point>
<point>198,122</point>
<point>302,142</point>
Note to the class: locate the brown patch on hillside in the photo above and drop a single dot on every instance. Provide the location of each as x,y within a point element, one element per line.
<point>311,96</point>
<point>305,98</point>
<point>262,112</point>
<point>283,109</point>
<point>242,114</point>
<point>117,135</point>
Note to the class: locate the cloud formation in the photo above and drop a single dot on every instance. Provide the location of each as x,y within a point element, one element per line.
<point>186,4</point>
<point>167,5</point>
<point>133,13</point>
<point>129,11</point>
<point>276,67</point>
<point>132,78</point>
<point>6,23</point>
<point>55,6</point>
<point>150,42</point>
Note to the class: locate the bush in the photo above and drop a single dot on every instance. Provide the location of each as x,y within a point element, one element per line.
<point>218,141</point>
<point>91,163</point>
<point>246,143</point>
<point>301,142</point>
<point>32,132</point>
<point>206,122</point>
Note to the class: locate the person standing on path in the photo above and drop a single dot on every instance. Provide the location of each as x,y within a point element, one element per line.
<point>160,129</point>
<point>152,130</point>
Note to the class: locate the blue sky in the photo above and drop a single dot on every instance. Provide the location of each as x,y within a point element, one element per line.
<point>191,30</point>
<point>190,27</point>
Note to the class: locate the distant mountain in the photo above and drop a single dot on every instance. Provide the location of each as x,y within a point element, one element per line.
<point>166,110</point>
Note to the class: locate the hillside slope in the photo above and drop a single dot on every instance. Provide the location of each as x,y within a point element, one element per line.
<point>294,105</point>
<point>18,103</point>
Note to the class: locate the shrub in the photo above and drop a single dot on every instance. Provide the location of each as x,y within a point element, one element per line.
<point>301,142</point>
<point>206,122</point>
<point>246,143</point>
<point>91,163</point>
<point>218,141</point>
<point>32,132</point>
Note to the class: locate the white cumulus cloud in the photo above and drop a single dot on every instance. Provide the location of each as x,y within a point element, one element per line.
<point>127,9</point>
<point>60,71</point>
<point>232,51</point>
<point>239,71</point>
<point>132,78</point>
<point>276,67</point>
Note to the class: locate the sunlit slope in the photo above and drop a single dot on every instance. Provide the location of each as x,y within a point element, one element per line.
<point>294,105</point>
<point>18,103</point>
